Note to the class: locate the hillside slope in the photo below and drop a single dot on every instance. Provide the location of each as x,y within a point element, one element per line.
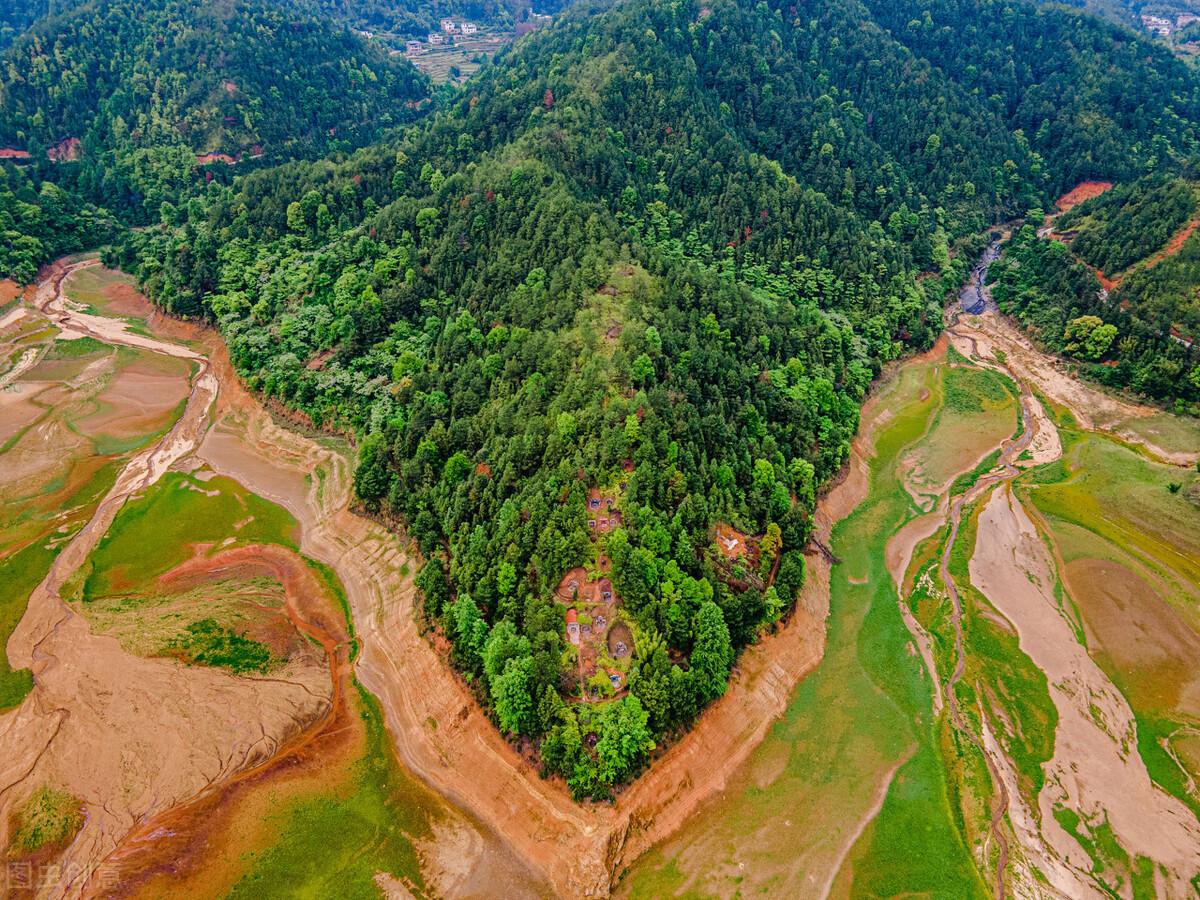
<point>615,310</point>
<point>1137,329</point>
<point>139,92</point>
<point>1091,98</point>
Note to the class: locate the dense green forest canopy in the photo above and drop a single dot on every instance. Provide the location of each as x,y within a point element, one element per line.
<point>653,256</point>
<point>1140,334</point>
<point>145,86</point>
<point>1093,99</point>
<point>16,16</point>
<point>656,253</point>
<point>40,221</point>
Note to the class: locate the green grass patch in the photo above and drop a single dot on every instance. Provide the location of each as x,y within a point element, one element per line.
<point>77,347</point>
<point>1152,731</point>
<point>111,445</point>
<point>333,844</point>
<point>20,574</point>
<point>1120,496</point>
<point>996,663</point>
<point>50,818</point>
<point>329,578</point>
<point>22,571</point>
<point>208,643</point>
<point>156,532</point>
<point>974,389</point>
<point>1111,865</point>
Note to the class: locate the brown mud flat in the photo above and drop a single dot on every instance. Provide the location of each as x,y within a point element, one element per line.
<point>175,845</point>
<point>1092,768</point>
<point>1144,636</point>
<point>130,737</point>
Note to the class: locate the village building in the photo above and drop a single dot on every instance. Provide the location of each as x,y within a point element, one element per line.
<point>1158,25</point>
<point>414,47</point>
<point>573,626</point>
<point>449,26</point>
<point>469,28</point>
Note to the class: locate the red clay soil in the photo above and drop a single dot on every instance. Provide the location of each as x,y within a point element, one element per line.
<point>1109,284</point>
<point>174,843</point>
<point>66,150</point>
<point>732,543</point>
<point>1085,190</point>
<point>205,159</point>
<point>575,587</point>
<point>1175,244</point>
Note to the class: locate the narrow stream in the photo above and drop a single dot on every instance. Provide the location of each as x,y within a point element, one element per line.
<point>1010,450</point>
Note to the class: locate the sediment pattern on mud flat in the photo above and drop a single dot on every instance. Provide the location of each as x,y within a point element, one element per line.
<point>528,836</point>
<point>129,737</point>
<point>1096,775</point>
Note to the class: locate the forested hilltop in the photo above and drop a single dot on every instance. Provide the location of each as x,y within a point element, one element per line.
<point>130,104</point>
<point>603,324</point>
<point>1115,284</point>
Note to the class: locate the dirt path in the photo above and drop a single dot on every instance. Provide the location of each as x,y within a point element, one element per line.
<point>869,816</point>
<point>1174,245</point>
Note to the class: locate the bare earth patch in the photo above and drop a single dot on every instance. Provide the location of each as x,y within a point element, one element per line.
<point>1085,190</point>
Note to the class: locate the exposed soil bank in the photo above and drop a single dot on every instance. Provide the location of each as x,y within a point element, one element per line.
<point>130,737</point>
